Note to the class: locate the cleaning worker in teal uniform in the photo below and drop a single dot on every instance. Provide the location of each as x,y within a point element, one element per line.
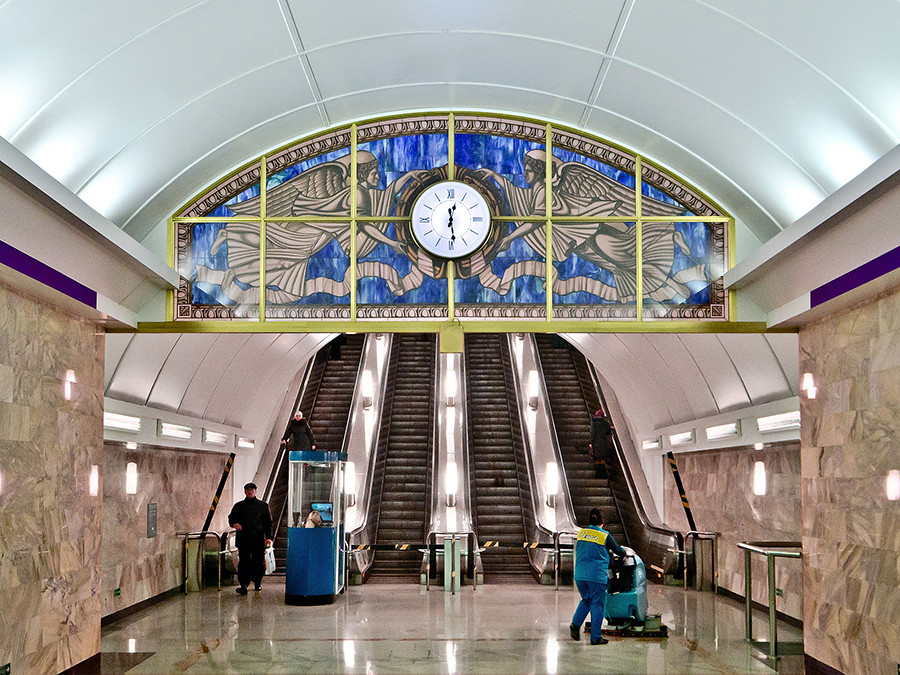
<point>592,551</point>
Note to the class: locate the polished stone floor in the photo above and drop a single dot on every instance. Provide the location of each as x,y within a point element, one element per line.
<point>390,628</point>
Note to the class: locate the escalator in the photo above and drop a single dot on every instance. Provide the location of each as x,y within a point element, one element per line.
<point>404,479</point>
<point>498,471</point>
<point>574,396</point>
<point>326,403</point>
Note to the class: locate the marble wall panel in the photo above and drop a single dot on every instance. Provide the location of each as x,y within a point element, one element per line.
<point>182,484</point>
<point>50,525</point>
<point>851,532</point>
<point>718,485</point>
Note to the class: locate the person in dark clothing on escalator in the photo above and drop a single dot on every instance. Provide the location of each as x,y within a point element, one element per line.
<point>601,444</point>
<point>253,522</point>
<point>298,429</point>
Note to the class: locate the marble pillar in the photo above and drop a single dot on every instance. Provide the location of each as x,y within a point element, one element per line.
<point>51,436</point>
<point>850,439</point>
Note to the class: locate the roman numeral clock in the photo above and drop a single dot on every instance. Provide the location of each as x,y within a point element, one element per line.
<point>450,219</point>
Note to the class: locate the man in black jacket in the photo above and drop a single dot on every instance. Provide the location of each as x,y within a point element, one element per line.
<point>253,522</point>
<point>299,429</point>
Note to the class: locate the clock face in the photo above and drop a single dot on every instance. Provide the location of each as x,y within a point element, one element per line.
<point>450,219</point>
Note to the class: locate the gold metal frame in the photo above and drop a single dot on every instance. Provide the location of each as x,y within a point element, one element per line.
<point>551,325</point>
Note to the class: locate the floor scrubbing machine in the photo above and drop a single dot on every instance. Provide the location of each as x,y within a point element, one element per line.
<point>626,601</point>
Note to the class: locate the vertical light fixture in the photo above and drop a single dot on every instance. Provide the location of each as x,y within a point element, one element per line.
<point>94,481</point>
<point>758,446</point>
<point>451,483</point>
<point>759,478</point>
<point>892,486</point>
<point>367,389</point>
<point>552,483</point>
<point>350,484</point>
<point>131,445</point>
<point>67,385</point>
<point>533,389</point>
<point>131,478</point>
<point>451,386</point>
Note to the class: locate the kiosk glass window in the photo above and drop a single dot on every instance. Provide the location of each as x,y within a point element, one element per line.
<point>313,488</point>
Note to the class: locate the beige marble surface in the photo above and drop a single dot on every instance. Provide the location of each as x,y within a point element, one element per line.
<point>718,484</point>
<point>182,484</point>
<point>851,532</point>
<point>49,523</point>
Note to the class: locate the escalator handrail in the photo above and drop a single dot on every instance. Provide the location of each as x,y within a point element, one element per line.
<point>532,478</point>
<point>376,438</point>
<point>554,438</point>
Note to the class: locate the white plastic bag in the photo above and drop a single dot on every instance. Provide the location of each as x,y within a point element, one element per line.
<point>270,560</point>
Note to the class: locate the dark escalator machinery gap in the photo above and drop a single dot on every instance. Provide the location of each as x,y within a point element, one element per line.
<point>572,414</point>
<point>401,518</point>
<point>496,472</point>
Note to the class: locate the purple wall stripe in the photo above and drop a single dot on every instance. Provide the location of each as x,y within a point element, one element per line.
<point>855,278</point>
<point>30,267</point>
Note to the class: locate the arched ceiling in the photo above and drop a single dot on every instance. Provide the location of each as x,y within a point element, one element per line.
<point>769,106</point>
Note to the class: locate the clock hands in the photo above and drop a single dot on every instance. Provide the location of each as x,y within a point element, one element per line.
<point>450,224</point>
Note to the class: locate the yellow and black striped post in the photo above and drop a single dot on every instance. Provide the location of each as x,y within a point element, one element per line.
<point>680,486</point>
<point>215,502</point>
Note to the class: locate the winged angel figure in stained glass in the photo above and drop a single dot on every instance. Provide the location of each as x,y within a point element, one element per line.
<point>580,190</point>
<point>323,190</point>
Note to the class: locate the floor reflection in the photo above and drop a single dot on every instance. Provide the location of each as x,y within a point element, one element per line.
<point>388,628</point>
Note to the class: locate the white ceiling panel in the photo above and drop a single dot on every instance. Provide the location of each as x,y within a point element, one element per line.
<point>139,366</point>
<point>477,58</point>
<point>785,346</point>
<point>208,374</point>
<point>322,24</point>
<point>718,370</point>
<point>265,95</point>
<point>201,48</point>
<point>654,361</point>
<point>758,367</point>
<point>178,370</point>
<point>43,53</point>
<point>685,372</point>
<point>115,346</point>
<point>246,359</point>
<point>798,90</point>
<point>753,161</point>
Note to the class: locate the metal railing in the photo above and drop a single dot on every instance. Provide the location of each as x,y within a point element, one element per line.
<point>557,552</point>
<point>772,550</point>
<point>431,558</point>
<point>221,550</point>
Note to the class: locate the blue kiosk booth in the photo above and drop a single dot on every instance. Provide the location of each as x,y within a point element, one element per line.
<point>314,569</point>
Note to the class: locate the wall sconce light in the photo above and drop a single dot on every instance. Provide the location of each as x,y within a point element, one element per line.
<point>532,389</point>
<point>451,385</point>
<point>131,479</point>
<point>451,483</point>
<point>367,389</point>
<point>131,445</point>
<point>349,484</point>
<point>758,446</point>
<point>552,484</point>
<point>67,385</point>
<point>892,486</point>
<point>808,385</point>
<point>94,481</point>
<point>759,478</point>
<point>121,422</point>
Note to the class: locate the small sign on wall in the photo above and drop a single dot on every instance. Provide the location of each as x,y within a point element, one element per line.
<point>151,521</point>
